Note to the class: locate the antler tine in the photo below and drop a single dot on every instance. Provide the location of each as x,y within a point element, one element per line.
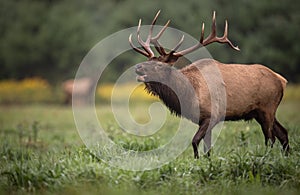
<point>226,29</point>
<point>161,31</point>
<point>191,49</point>
<point>202,33</point>
<point>178,44</point>
<point>145,45</point>
<point>155,19</point>
<point>195,47</point>
<point>214,25</point>
<point>225,38</point>
<point>154,40</point>
<point>137,49</point>
<point>212,37</point>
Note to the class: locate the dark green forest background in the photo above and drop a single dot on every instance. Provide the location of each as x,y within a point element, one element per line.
<point>49,38</point>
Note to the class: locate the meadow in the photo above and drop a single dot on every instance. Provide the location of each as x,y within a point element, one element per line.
<point>41,152</point>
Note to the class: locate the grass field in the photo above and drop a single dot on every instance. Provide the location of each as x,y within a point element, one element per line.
<point>41,152</point>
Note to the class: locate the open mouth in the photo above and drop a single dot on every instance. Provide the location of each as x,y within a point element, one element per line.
<point>141,78</point>
<point>141,74</point>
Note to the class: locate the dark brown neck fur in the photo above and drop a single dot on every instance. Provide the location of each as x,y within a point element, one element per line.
<point>179,96</point>
<point>166,94</point>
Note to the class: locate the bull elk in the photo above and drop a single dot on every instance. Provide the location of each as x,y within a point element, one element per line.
<point>252,91</point>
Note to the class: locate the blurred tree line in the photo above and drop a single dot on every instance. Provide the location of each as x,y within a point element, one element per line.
<point>49,38</point>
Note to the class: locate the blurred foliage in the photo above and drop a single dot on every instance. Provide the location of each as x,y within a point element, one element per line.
<point>292,93</point>
<point>122,92</point>
<point>50,38</point>
<point>33,90</point>
<point>37,90</point>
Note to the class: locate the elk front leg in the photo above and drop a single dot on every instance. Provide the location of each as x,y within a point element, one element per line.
<point>266,122</point>
<point>204,127</point>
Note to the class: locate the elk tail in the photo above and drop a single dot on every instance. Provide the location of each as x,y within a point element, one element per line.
<point>282,80</point>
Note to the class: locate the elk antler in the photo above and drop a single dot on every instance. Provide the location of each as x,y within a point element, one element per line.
<point>172,56</point>
<point>212,37</point>
<point>154,40</point>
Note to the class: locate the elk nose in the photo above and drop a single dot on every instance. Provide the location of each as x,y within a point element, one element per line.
<point>138,66</point>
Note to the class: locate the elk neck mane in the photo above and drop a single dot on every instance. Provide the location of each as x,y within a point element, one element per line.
<point>165,94</point>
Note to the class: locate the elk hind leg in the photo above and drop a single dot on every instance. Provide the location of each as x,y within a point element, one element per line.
<point>281,134</point>
<point>207,142</point>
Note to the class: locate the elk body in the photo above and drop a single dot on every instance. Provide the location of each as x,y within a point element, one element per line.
<point>252,91</point>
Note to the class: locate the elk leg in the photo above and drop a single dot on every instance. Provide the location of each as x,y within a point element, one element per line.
<point>197,138</point>
<point>282,135</point>
<point>263,130</point>
<point>68,99</point>
<point>266,122</point>
<point>204,125</point>
<point>207,142</point>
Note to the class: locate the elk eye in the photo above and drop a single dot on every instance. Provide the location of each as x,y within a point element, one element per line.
<point>159,65</point>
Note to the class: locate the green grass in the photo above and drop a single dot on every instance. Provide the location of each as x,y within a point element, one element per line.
<point>41,152</point>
